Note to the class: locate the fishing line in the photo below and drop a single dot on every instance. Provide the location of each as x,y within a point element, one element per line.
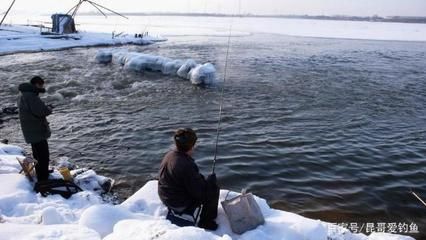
<point>221,95</point>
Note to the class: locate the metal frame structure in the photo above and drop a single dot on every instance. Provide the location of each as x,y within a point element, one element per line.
<point>73,11</point>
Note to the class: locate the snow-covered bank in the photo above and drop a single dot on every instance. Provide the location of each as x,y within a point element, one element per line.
<point>26,215</point>
<point>198,74</point>
<point>15,39</point>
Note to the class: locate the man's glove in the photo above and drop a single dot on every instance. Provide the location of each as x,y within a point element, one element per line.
<point>211,179</point>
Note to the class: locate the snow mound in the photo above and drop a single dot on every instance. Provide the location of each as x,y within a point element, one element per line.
<point>19,204</point>
<point>102,218</point>
<point>157,229</point>
<point>51,216</point>
<point>387,236</point>
<point>50,232</point>
<point>198,74</point>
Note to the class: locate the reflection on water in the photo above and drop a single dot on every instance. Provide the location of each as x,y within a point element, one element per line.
<point>332,129</point>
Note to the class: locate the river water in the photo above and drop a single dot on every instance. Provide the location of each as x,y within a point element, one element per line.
<point>328,128</point>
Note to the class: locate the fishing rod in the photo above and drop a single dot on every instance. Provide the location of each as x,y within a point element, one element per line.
<point>221,97</point>
<point>1,22</point>
<point>421,200</point>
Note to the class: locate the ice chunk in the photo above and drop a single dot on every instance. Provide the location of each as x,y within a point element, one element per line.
<point>90,181</point>
<point>172,67</point>
<point>137,64</point>
<point>143,62</point>
<point>140,62</point>
<point>155,63</point>
<point>186,68</point>
<point>203,74</point>
<point>104,57</point>
<point>6,149</point>
<point>102,218</point>
<point>55,97</point>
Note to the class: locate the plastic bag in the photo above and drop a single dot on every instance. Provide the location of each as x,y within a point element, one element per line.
<point>243,213</point>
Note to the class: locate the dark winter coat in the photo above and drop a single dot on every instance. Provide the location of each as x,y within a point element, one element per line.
<point>32,114</point>
<point>180,183</point>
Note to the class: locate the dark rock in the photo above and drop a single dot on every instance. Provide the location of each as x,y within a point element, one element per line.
<point>10,110</point>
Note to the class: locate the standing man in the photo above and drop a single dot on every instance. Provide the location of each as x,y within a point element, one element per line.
<point>36,130</point>
<point>183,189</point>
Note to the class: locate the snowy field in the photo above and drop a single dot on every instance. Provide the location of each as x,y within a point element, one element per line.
<point>86,215</point>
<point>16,38</point>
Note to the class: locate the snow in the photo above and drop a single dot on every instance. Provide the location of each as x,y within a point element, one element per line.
<point>158,229</point>
<point>89,180</point>
<point>28,39</point>
<point>387,236</point>
<point>171,26</point>
<point>51,232</point>
<point>102,218</point>
<point>27,215</point>
<point>203,74</point>
<point>198,74</point>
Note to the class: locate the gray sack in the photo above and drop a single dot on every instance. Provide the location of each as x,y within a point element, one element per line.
<point>243,213</point>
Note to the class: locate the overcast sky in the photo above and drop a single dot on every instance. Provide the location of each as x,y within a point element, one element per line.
<point>311,7</point>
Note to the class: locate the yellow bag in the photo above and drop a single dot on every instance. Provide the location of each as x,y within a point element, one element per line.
<point>66,174</point>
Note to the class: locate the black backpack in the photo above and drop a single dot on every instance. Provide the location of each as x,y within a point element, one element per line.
<point>56,186</point>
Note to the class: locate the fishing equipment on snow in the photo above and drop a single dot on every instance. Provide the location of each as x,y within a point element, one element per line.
<point>66,174</point>
<point>28,165</point>
<point>56,186</point>
<point>243,212</point>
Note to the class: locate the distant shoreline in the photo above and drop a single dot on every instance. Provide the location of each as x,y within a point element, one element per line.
<point>392,19</point>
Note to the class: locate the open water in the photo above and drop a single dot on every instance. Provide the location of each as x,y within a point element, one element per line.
<point>328,128</point>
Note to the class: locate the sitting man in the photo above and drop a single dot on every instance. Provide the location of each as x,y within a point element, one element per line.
<point>183,189</point>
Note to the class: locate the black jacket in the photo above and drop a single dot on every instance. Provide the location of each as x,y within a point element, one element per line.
<point>180,183</point>
<point>32,114</point>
